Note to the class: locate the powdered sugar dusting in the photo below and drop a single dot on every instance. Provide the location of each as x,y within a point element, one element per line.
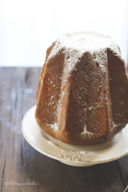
<point>100,58</point>
<point>86,132</point>
<point>53,126</point>
<point>114,125</point>
<point>74,45</point>
<point>84,42</point>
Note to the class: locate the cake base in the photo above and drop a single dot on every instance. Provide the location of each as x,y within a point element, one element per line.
<point>80,156</point>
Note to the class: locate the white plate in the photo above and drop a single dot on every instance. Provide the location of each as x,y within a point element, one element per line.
<point>80,156</point>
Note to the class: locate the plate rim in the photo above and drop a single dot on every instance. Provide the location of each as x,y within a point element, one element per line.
<point>68,162</point>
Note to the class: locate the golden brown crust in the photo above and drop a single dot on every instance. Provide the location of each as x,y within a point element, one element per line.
<point>90,106</point>
<point>118,88</point>
<point>43,70</point>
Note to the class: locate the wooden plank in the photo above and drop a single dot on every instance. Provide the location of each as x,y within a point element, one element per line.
<point>106,177</point>
<point>24,169</point>
<point>15,84</point>
<point>123,169</point>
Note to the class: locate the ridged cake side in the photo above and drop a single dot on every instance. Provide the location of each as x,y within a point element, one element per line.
<point>82,93</point>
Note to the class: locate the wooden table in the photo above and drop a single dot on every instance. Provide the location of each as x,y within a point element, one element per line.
<point>23,169</point>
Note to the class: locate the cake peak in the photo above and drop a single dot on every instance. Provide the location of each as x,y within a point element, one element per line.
<point>83,89</point>
<point>84,42</point>
<point>89,41</point>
